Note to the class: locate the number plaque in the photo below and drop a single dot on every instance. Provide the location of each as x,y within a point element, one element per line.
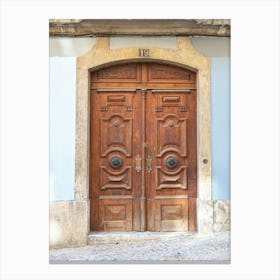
<point>144,52</point>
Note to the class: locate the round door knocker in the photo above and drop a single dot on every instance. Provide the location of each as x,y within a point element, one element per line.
<point>171,162</point>
<point>116,161</point>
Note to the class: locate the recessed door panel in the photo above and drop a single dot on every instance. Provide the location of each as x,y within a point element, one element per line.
<point>171,215</point>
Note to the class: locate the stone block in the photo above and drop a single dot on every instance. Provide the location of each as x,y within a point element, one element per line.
<point>205,214</point>
<point>221,221</point>
<point>68,226</point>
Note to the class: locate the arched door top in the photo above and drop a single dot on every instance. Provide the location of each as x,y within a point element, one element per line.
<point>149,74</point>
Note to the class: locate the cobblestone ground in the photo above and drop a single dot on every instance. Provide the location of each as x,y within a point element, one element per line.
<point>214,248</point>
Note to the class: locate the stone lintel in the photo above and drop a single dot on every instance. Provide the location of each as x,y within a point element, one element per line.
<point>149,27</point>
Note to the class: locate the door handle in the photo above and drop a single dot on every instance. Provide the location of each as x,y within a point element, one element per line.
<point>138,161</point>
<point>148,158</point>
<point>149,164</point>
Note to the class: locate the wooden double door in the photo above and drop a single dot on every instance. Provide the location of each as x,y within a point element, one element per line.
<point>143,162</point>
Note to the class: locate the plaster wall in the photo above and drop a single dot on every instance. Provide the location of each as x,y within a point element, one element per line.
<point>167,42</point>
<point>62,127</point>
<point>212,46</point>
<point>220,127</point>
<point>75,47</point>
<point>70,47</point>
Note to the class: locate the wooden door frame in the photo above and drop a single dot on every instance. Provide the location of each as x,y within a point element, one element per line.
<point>184,56</point>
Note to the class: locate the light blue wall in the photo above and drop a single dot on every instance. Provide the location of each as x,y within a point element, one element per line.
<point>220,127</point>
<point>218,50</point>
<point>62,127</point>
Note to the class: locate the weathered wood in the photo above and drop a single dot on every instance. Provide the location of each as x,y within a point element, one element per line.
<point>159,27</point>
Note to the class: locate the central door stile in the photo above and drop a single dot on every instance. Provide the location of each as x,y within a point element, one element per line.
<point>143,181</point>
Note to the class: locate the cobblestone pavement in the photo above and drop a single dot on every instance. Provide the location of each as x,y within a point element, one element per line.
<point>179,249</point>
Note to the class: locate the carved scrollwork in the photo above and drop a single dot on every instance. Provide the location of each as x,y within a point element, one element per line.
<point>171,135</point>
<point>115,179</point>
<point>167,72</point>
<point>128,71</point>
<point>171,179</point>
<point>116,135</point>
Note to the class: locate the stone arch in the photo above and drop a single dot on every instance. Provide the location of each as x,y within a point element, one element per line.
<point>184,56</point>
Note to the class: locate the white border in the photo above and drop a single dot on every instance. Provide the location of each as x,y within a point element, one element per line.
<point>254,142</point>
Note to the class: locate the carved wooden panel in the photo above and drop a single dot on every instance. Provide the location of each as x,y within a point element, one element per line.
<point>115,212</point>
<point>116,135</point>
<point>171,180</point>
<point>115,179</point>
<point>171,99</point>
<point>171,211</point>
<point>171,215</point>
<point>166,72</point>
<point>116,99</point>
<point>115,215</point>
<point>171,135</point>
<point>119,72</point>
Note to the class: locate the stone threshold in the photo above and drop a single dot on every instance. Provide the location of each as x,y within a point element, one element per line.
<point>132,236</point>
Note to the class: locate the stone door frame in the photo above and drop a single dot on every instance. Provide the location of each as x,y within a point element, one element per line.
<point>184,56</point>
